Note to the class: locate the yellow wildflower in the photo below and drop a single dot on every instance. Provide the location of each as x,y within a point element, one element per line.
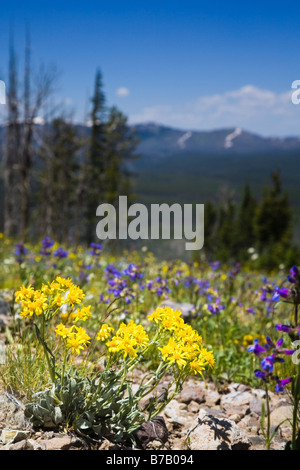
<point>129,339</point>
<point>62,330</point>
<point>168,318</point>
<point>197,366</point>
<point>65,283</point>
<point>82,314</point>
<point>208,357</point>
<point>174,352</point>
<point>24,293</point>
<point>104,332</point>
<point>75,295</point>
<point>77,340</point>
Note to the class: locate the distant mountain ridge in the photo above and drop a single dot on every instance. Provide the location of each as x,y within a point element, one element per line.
<point>159,141</point>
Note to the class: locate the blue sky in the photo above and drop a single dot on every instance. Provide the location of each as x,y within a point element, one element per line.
<point>191,65</point>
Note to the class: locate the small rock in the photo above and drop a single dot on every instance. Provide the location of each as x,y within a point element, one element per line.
<point>21,445</point>
<point>150,431</point>
<point>214,433</point>
<point>235,417</point>
<point>251,423</point>
<point>215,412</point>
<point>212,398</point>
<point>175,413</point>
<point>191,393</point>
<point>257,441</point>
<point>11,436</point>
<point>281,414</point>
<point>4,307</point>
<point>11,414</point>
<point>244,388</point>
<point>56,443</point>
<point>179,444</point>
<point>241,411</point>
<point>185,308</point>
<point>34,445</point>
<point>236,399</point>
<point>256,404</point>
<point>234,387</point>
<point>193,407</point>
<point>259,393</point>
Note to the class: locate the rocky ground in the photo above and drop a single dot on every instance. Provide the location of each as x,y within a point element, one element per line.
<point>199,418</point>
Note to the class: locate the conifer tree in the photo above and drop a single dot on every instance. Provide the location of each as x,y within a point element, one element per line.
<point>273,224</point>
<point>59,179</point>
<point>96,160</point>
<point>121,147</point>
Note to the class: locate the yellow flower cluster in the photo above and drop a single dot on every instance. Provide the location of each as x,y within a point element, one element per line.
<point>51,296</point>
<point>82,314</point>
<point>129,339</point>
<point>33,301</point>
<point>104,332</point>
<point>76,337</point>
<point>184,347</point>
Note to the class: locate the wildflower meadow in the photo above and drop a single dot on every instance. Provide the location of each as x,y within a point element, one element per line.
<point>81,321</point>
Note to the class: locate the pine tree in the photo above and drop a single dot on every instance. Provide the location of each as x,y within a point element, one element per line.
<point>121,147</point>
<point>96,160</point>
<point>273,224</point>
<point>226,231</point>
<point>59,179</point>
<point>210,219</point>
<point>273,215</point>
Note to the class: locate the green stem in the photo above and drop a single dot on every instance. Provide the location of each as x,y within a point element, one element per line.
<point>50,367</point>
<point>295,410</point>
<point>64,366</point>
<point>268,440</point>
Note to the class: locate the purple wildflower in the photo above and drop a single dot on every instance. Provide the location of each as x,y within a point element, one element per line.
<point>216,307</point>
<point>46,244</point>
<point>133,272</point>
<point>267,363</point>
<point>261,375</point>
<point>20,252</point>
<point>60,253</point>
<point>294,277</point>
<point>280,292</point>
<point>282,383</point>
<point>256,348</point>
<point>95,249</point>
<point>284,328</point>
<point>250,310</point>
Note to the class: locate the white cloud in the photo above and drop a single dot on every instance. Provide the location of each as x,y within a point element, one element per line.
<point>122,91</point>
<point>254,109</point>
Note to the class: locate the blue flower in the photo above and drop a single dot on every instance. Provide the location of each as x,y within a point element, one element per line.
<point>60,253</point>
<point>261,375</point>
<point>46,244</point>
<point>267,363</point>
<point>95,249</point>
<point>280,292</point>
<point>295,275</point>
<point>20,252</point>
<point>282,383</point>
<point>256,348</point>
